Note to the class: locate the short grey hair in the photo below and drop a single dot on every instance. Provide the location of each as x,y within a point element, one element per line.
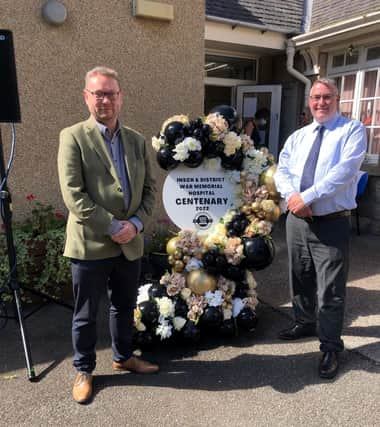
<point>331,83</point>
<point>103,71</point>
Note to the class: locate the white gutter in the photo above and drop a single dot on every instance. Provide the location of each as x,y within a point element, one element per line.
<point>290,52</point>
<point>234,23</point>
<point>349,25</point>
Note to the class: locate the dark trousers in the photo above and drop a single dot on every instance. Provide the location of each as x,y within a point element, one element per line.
<point>90,278</point>
<point>318,264</point>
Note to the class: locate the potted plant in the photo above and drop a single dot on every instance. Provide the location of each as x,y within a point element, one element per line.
<point>155,246</point>
<point>38,241</point>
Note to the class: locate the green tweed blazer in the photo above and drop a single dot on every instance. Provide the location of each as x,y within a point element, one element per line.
<point>93,194</point>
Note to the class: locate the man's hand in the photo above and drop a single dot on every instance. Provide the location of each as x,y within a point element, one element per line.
<point>126,234</point>
<point>297,206</point>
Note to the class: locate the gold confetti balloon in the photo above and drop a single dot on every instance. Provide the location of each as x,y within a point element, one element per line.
<point>267,179</point>
<point>199,281</point>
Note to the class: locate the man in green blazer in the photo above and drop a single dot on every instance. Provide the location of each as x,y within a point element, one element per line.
<point>108,188</point>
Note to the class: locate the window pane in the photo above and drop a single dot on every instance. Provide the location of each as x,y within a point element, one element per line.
<point>377,114</point>
<point>375,143</point>
<point>338,60</point>
<point>230,68</point>
<point>348,87</point>
<point>373,53</point>
<point>369,89</point>
<point>346,109</point>
<point>352,58</point>
<point>366,112</point>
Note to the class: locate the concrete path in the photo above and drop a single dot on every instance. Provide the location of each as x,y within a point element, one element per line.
<point>250,380</point>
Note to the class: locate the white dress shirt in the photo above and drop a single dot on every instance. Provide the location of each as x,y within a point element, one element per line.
<point>342,151</point>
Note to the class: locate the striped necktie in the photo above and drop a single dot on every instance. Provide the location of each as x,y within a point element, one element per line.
<point>307,179</point>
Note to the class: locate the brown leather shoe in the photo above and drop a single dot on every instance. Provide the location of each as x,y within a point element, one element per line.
<point>133,364</point>
<point>82,390</point>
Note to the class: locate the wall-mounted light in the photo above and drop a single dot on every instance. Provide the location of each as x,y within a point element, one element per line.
<point>54,12</point>
<point>153,10</point>
<point>350,50</point>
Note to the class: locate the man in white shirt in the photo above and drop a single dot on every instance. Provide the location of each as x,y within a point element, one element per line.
<point>317,176</point>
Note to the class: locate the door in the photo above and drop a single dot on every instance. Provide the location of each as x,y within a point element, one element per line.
<point>265,101</point>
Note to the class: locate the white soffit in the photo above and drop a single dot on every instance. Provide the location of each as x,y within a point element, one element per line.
<point>219,32</point>
<point>355,27</point>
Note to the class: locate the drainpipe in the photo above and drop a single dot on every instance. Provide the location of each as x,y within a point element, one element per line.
<point>290,52</point>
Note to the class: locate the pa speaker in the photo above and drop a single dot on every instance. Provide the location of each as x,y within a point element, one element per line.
<point>9,102</point>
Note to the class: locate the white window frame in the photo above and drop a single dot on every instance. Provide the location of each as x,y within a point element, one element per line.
<point>359,69</point>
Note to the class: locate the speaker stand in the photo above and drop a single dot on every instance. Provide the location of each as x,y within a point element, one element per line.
<point>13,284</point>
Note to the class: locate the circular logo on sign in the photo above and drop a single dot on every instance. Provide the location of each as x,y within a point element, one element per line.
<point>202,221</point>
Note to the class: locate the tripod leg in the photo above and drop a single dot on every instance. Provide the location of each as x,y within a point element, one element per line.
<point>25,341</point>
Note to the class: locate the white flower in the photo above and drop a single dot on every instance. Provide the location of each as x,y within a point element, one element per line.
<point>232,143</point>
<point>143,293</point>
<point>194,264</point>
<point>165,306</point>
<point>178,323</point>
<point>185,293</point>
<point>192,144</point>
<point>237,306</point>
<point>214,299</point>
<point>227,313</point>
<point>182,149</point>
<point>164,330</point>
<point>250,279</point>
<point>158,143</point>
<point>182,152</point>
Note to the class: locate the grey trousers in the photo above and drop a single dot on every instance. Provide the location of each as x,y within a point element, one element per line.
<point>90,278</point>
<point>318,267</point>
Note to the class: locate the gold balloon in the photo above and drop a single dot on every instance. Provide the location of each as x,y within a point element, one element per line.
<point>275,214</point>
<point>200,282</point>
<point>171,245</point>
<point>266,178</point>
<point>178,266</point>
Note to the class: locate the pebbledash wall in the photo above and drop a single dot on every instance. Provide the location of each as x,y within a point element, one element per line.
<point>160,64</point>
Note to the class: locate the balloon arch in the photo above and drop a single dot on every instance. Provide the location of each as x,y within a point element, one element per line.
<point>223,188</point>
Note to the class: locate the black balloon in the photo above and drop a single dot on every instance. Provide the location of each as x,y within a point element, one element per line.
<point>241,290</point>
<point>234,272</point>
<point>191,332</point>
<point>247,319</point>
<point>258,251</point>
<point>194,160</point>
<point>149,312</point>
<point>157,290</point>
<point>233,162</point>
<point>228,112</point>
<point>227,328</point>
<point>181,309</point>
<point>165,158</point>
<point>143,339</point>
<point>212,317</point>
<point>174,131</point>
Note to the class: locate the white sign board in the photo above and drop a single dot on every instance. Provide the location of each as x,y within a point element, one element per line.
<point>196,199</point>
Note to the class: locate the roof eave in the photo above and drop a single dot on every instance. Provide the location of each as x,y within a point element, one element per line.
<point>234,22</point>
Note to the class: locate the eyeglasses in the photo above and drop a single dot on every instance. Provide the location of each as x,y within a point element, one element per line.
<point>99,96</point>
<point>326,97</point>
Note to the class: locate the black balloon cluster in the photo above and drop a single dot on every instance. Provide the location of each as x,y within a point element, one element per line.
<point>176,131</point>
<point>211,322</point>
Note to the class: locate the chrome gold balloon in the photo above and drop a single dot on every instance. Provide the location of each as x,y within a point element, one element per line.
<point>200,282</point>
<point>171,245</point>
<point>267,179</point>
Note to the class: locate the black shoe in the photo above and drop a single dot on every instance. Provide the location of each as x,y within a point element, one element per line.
<point>328,366</point>
<point>297,331</point>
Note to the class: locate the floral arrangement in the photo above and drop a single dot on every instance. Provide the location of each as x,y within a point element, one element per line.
<point>211,286</point>
<point>39,241</point>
